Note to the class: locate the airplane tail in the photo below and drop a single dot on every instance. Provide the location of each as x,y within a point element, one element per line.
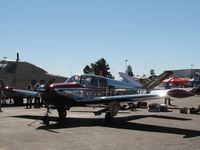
<point>151,84</point>
<point>130,80</point>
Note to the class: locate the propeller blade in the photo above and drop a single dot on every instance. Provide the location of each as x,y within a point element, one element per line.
<point>46,86</point>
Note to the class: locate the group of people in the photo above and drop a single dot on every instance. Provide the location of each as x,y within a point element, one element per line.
<point>37,102</point>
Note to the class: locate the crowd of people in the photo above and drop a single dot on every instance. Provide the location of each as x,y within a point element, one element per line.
<point>37,101</point>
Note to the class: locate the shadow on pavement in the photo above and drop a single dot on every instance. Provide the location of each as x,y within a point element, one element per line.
<point>118,123</point>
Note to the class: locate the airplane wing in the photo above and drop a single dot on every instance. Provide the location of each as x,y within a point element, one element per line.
<point>175,93</point>
<point>107,99</point>
<point>21,92</point>
<point>27,92</point>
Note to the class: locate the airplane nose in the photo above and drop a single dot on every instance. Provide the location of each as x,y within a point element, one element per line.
<point>179,93</point>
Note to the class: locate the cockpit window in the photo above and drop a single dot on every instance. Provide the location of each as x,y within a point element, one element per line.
<point>75,78</point>
<point>86,81</point>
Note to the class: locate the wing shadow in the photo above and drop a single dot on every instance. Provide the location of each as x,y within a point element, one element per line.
<point>118,123</point>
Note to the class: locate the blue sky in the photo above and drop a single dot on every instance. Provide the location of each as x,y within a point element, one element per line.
<point>63,36</point>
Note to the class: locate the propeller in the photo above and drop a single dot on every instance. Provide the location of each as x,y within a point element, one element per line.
<point>47,85</point>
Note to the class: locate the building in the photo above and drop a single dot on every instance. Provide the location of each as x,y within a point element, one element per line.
<point>186,73</point>
<point>16,73</point>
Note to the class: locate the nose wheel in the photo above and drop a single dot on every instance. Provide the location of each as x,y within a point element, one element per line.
<point>62,113</point>
<point>45,120</point>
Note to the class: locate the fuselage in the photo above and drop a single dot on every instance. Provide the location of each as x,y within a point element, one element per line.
<point>86,86</point>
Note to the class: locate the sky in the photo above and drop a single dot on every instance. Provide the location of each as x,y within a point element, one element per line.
<point>63,36</point>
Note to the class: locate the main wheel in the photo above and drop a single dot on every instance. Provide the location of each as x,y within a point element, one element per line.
<point>45,120</point>
<point>62,113</point>
<point>108,117</point>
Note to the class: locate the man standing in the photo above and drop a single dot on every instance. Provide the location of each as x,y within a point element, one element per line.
<point>1,97</point>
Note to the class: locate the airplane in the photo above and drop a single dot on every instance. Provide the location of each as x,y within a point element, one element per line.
<point>166,92</point>
<point>92,90</point>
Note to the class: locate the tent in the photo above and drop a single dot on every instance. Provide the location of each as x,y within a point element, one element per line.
<point>175,80</point>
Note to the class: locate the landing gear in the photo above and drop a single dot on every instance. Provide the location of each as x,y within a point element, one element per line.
<point>45,120</point>
<point>108,117</point>
<point>113,109</point>
<point>62,113</point>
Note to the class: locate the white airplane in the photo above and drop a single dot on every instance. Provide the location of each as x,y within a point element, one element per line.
<point>166,93</point>
<point>90,90</point>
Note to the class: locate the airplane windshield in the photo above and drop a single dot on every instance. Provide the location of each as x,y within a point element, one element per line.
<point>86,81</point>
<point>75,78</point>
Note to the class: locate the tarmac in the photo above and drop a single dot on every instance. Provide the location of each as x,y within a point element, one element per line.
<point>22,129</point>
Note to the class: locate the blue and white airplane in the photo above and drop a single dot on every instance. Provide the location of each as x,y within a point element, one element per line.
<point>89,90</point>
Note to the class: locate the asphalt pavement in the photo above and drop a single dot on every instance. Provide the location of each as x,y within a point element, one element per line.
<point>22,129</point>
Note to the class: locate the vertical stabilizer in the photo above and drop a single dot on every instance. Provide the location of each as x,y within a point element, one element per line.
<point>129,79</point>
<point>151,84</point>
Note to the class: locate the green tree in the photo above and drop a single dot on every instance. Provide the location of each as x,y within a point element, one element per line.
<point>100,67</point>
<point>87,69</point>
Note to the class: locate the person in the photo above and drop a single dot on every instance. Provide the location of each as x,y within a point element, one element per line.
<point>37,99</point>
<point>1,97</point>
<point>29,98</point>
<point>167,86</point>
<point>168,99</point>
<point>0,105</point>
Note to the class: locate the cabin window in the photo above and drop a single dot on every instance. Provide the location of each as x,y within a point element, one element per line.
<point>88,81</point>
<point>102,82</point>
<point>94,82</point>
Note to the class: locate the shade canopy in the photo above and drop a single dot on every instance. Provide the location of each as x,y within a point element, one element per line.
<point>175,80</point>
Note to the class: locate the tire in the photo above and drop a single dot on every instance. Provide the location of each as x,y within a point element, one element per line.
<point>62,113</point>
<point>108,117</point>
<point>45,120</point>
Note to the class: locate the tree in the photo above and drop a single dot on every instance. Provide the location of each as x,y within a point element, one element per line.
<point>100,67</point>
<point>87,69</point>
<point>129,70</point>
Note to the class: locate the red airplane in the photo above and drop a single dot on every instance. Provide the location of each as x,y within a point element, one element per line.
<point>90,90</point>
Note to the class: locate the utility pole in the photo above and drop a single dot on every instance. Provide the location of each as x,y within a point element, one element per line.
<point>126,65</point>
<point>191,70</point>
